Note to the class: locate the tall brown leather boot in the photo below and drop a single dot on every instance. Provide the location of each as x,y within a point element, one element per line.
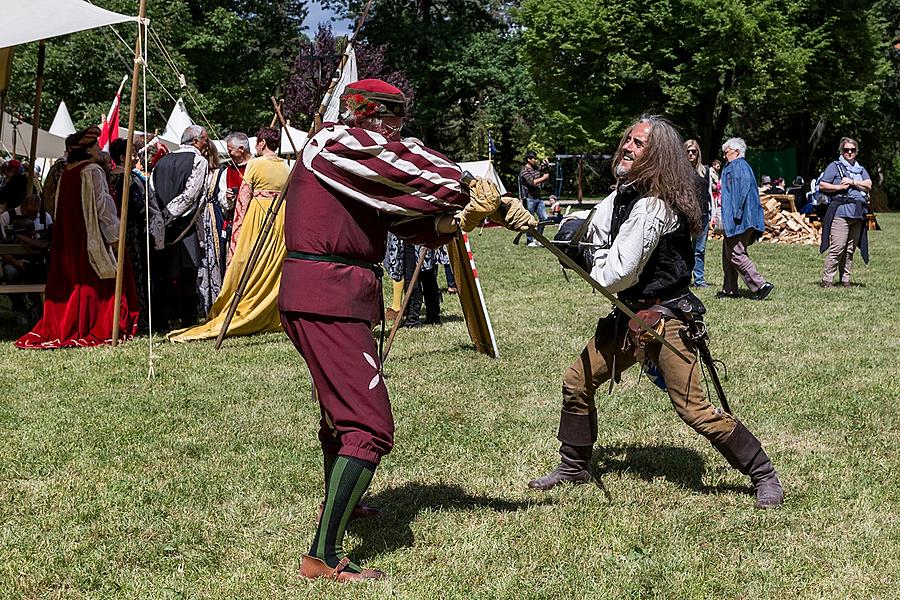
<point>745,453</point>
<point>577,434</point>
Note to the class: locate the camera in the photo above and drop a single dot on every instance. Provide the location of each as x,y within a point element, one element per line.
<point>546,165</point>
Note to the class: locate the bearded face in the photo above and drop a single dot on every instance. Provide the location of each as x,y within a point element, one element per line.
<point>632,148</point>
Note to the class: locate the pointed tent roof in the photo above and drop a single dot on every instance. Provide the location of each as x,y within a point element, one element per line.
<point>62,123</point>
<point>299,138</point>
<point>483,168</point>
<point>178,121</point>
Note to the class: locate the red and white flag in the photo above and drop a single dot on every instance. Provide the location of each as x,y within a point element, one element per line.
<point>109,128</point>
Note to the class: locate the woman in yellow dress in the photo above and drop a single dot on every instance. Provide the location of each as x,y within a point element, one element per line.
<point>258,307</point>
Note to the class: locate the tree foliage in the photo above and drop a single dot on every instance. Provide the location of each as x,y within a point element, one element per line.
<point>773,71</point>
<point>553,75</point>
<point>316,63</point>
<point>233,54</point>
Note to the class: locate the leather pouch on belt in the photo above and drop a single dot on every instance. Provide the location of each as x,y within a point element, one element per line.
<point>640,338</point>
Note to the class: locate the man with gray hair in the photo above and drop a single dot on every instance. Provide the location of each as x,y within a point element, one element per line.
<point>177,185</point>
<point>742,222</point>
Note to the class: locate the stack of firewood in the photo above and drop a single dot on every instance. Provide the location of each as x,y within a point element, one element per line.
<point>784,226</point>
<point>788,227</point>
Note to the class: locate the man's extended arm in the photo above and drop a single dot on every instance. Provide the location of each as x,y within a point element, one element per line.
<point>399,178</point>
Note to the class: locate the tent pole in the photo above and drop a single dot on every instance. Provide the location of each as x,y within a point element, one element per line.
<point>2,110</point>
<point>284,126</point>
<point>580,178</point>
<point>126,179</point>
<point>36,118</point>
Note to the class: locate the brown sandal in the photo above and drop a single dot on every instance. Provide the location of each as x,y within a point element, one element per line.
<point>314,568</point>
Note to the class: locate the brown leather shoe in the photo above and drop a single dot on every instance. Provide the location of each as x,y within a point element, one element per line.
<point>314,568</point>
<point>390,314</point>
<point>362,511</point>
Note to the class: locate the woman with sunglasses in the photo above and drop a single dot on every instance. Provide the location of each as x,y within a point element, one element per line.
<point>707,178</point>
<point>848,184</point>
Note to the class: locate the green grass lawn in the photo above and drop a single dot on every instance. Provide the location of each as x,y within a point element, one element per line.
<point>204,481</point>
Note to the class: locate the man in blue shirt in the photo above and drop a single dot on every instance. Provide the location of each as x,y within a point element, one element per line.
<point>742,220</point>
<point>530,180</point>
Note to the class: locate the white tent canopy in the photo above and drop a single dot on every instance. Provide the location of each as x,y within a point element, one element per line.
<point>483,168</point>
<point>49,145</point>
<point>32,20</point>
<point>62,123</point>
<point>299,138</point>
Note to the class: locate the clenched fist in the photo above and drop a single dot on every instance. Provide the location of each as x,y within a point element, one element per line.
<point>513,215</point>
<point>484,199</point>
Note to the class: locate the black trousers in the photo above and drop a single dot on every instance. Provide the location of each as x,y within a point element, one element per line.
<point>426,289</point>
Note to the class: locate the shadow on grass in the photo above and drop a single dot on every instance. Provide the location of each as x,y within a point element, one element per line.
<point>681,466</point>
<point>401,505</point>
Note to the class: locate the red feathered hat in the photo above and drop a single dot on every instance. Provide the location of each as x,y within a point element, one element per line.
<point>373,98</point>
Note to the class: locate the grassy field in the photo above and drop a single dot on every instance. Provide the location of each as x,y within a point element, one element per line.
<point>203,482</point>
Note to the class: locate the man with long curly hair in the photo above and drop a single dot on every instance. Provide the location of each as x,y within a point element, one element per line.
<point>643,251</point>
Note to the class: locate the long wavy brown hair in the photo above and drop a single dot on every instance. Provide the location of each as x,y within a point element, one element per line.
<point>663,170</point>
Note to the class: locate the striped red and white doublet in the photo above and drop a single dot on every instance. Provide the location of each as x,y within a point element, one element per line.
<point>355,187</point>
<point>398,178</point>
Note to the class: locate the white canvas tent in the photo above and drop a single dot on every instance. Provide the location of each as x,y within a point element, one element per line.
<point>483,168</point>
<point>49,145</point>
<point>299,138</point>
<point>62,124</point>
<point>34,20</point>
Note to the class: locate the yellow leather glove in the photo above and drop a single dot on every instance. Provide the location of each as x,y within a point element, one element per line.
<point>484,199</point>
<point>513,215</point>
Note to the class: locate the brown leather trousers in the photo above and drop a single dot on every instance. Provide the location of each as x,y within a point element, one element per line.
<point>684,379</point>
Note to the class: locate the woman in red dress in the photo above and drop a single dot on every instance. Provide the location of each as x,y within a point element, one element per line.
<point>81,281</point>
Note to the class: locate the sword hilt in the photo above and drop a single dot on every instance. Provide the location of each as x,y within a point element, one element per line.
<point>540,224</point>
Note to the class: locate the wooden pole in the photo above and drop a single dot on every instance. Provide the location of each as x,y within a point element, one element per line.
<point>580,178</point>
<point>275,116</point>
<point>406,298</point>
<point>126,179</point>
<point>271,215</point>
<point>36,119</point>
<point>284,126</point>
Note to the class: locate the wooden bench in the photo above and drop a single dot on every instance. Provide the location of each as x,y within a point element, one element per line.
<point>23,288</point>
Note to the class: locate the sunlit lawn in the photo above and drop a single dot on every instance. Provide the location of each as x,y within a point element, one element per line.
<point>203,482</point>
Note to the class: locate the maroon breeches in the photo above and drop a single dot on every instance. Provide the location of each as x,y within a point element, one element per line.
<point>346,371</point>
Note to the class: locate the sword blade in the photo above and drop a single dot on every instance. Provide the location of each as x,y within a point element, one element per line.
<point>609,295</point>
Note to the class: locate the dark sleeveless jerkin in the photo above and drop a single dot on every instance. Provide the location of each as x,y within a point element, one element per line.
<point>667,273</point>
